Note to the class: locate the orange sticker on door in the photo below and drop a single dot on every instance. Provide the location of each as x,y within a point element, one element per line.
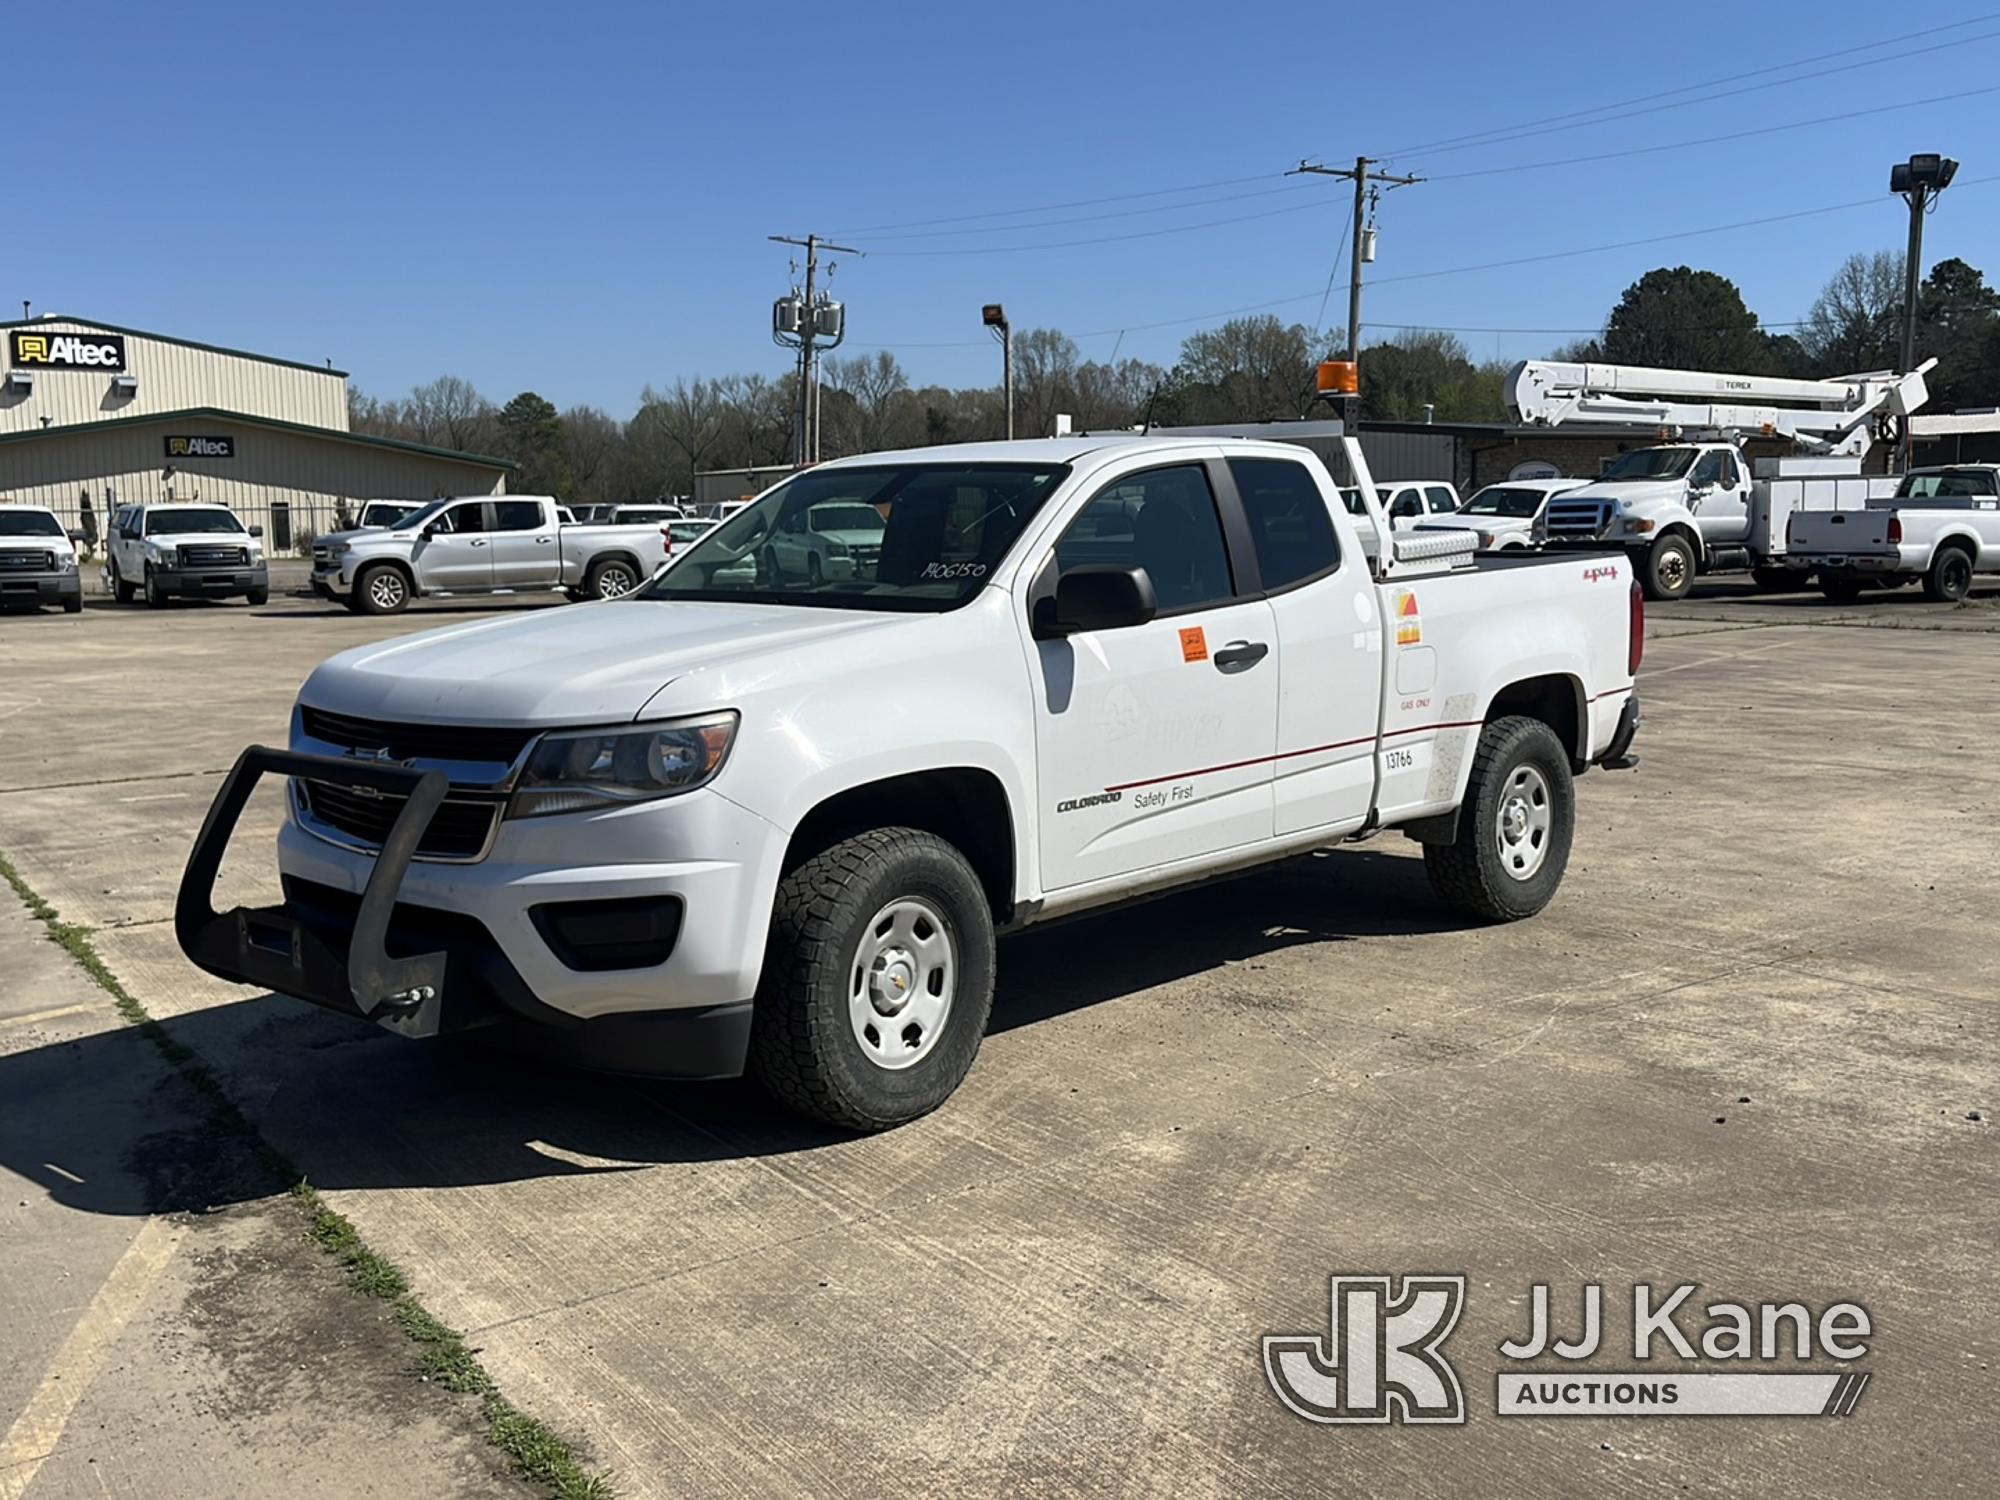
<point>1409,622</point>
<point>1194,645</point>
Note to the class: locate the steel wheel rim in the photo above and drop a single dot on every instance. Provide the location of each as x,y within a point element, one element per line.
<point>386,589</point>
<point>1673,568</point>
<point>1956,574</point>
<point>901,983</point>
<point>1524,822</point>
<point>614,583</point>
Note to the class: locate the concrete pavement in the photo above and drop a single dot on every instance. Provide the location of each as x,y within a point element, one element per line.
<point>1740,1049</point>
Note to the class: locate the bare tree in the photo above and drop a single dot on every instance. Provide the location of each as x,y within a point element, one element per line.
<point>450,413</point>
<point>680,429</point>
<point>1045,370</point>
<point>873,387</point>
<point>1856,322</point>
<point>592,439</point>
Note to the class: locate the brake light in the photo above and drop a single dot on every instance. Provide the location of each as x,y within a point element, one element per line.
<point>1635,642</point>
<point>1895,530</point>
<point>667,536</point>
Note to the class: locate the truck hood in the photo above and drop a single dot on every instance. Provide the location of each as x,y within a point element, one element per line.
<point>60,545</point>
<point>585,664</point>
<point>203,539</point>
<point>1635,495</point>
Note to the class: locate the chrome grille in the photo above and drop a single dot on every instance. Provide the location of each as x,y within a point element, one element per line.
<point>214,557</point>
<point>36,562</point>
<point>1589,519</point>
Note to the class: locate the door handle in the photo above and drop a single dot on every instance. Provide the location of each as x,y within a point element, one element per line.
<point>477,543</point>
<point>1238,655</point>
<point>543,541</point>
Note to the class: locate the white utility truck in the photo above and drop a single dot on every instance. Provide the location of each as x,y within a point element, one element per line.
<point>38,560</point>
<point>180,549</point>
<point>753,820</point>
<point>484,544</point>
<point>1688,508</point>
<point>1941,527</point>
<point>1504,516</point>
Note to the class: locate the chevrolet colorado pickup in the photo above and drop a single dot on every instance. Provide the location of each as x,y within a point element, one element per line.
<point>1941,527</point>
<point>483,544</point>
<point>37,560</point>
<point>767,820</point>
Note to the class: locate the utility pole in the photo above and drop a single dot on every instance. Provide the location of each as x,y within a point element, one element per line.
<point>1361,177</point>
<point>994,316</point>
<point>1917,182</point>
<point>806,450</point>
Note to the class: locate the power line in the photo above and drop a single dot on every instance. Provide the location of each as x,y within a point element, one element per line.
<point>1126,213</point>
<point>1710,140</point>
<point>1502,133</point>
<point>1112,239</point>
<point>987,215</point>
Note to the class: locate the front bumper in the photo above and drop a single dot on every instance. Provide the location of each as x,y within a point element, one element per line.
<point>331,581</point>
<point>424,948</point>
<point>39,588</point>
<point>211,583</point>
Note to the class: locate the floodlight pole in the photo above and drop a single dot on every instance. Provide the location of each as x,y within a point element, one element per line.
<point>994,316</point>
<point>1918,182</point>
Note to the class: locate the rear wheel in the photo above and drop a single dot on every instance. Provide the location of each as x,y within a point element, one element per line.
<point>1668,570</point>
<point>1514,828</point>
<point>611,579</point>
<point>381,590</point>
<point>1949,578</point>
<point>877,982</point>
<point>1840,590</point>
<point>1776,580</point>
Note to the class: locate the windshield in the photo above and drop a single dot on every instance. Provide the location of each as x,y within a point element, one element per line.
<point>1494,500</point>
<point>943,528</point>
<point>383,514</point>
<point>418,517</point>
<point>687,531</point>
<point>1949,482</point>
<point>28,523</point>
<point>639,515</point>
<point>185,522</point>
<point>1650,463</point>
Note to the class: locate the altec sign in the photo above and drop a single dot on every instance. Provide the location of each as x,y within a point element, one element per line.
<point>66,351</point>
<point>201,447</point>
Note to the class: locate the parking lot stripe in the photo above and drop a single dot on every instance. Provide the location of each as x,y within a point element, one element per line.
<point>47,1015</point>
<point>38,1429</point>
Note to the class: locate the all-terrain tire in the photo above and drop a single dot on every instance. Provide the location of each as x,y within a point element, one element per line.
<point>156,597</point>
<point>803,1045</point>
<point>1949,577</point>
<point>1668,568</point>
<point>122,591</point>
<point>1472,872</point>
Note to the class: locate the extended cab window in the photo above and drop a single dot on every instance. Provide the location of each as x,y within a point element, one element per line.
<point>1289,526</point>
<point>1164,521</point>
<point>517,515</point>
<point>939,529</point>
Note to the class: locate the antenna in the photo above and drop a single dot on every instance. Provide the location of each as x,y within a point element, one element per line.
<point>1147,429</point>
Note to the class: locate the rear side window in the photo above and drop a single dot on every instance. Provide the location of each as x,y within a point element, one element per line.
<point>516,515</point>
<point>1163,520</point>
<point>1289,527</point>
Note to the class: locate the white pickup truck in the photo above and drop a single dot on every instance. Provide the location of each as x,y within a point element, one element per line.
<point>484,544</point>
<point>747,819</point>
<point>1941,527</point>
<point>38,560</point>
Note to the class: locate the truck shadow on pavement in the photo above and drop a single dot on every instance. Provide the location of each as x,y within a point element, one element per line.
<point>352,1107</point>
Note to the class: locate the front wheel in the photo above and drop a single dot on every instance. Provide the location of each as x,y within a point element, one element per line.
<point>122,591</point>
<point>381,590</point>
<point>877,982</point>
<point>156,596</point>
<point>1514,828</point>
<point>1668,569</point>
<point>1949,577</point>
<point>257,596</point>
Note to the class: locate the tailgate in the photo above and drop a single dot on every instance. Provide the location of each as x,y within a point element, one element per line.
<point>1842,533</point>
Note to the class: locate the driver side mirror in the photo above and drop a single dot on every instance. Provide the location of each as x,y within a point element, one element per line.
<point>256,531</point>
<point>76,537</point>
<point>1097,596</point>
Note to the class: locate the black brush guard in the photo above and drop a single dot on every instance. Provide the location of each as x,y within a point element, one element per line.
<point>348,969</point>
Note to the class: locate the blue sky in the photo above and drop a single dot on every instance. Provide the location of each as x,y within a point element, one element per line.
<point>575,198</point>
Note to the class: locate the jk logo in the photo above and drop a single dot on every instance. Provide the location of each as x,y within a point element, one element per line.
<point>1380,1359</point>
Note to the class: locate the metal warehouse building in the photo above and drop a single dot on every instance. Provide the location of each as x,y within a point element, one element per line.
<point>93,415</point>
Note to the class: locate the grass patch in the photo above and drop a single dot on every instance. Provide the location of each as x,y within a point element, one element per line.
<point>537,1454</point>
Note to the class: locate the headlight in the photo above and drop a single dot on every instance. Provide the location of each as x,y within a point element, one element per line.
<point>66,563</point>
<point>836,549</point>
<point>580,769</point>
<point>1638,524</point>
<point>1485,539</point>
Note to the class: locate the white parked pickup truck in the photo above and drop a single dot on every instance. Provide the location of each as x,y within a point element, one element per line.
<point>184,550</point>
<point>1504,517</point>
<point>1941,528</point>
<point>744,820</point>
<point>38,560</point>
<point>484,544</point>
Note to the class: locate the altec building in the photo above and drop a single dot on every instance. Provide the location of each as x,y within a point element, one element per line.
<point>93,416</point>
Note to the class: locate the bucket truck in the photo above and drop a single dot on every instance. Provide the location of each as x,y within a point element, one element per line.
<point>1691,505</point>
